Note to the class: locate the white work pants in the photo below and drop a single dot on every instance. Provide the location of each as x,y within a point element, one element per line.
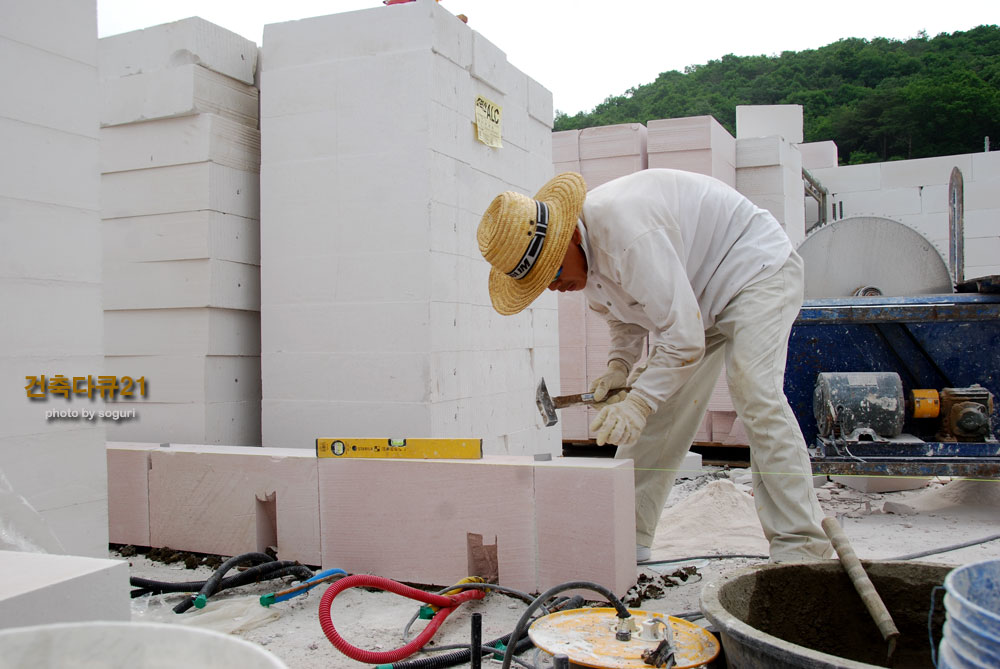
<point>751,337</point>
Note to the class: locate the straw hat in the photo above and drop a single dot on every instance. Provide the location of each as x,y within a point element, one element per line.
<point>525,239</point>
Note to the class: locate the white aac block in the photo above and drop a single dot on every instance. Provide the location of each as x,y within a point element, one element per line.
<point>355,377</point>
<point>685,134</point>
<point>850,178</point>
<point>702,161</point>
<point>923,171</point>
<point>128,492</point>
<point>761,180</point>
<point>61,474</point>
<point>203,331</point>
<point>540,103</point>
<point>37,83</point>
<point>597,171</point>
<point>298,423</point>
<point>349,327</point>
<point>386,533</point>
<point>764,151</point>
<point>169,45</point>
<point>625,139</point>
<point>178,91</point>
<point>229,500</point>
<point>566,146</point>
<point>236,423</point>
<point>888,202</point>
<point>32,421</point>
<point>63,245</point>
<point>881,484</point>
<point>982,223</point>
<point>186,235</point>
<point>51,319</point>
<point>766,120</point>
<point>180,284</point>
<point>817,155</point>
<point>598,545</point>
<point>191,378</point>
<point>62,27</point>
<point>177,141</point>
<point>42,589</point>
<point>164,190</point>
<point>406,27</point>
<point>982,252</point>
<point>489,63</point>
<point>985,166</point>
<point>57,167</point>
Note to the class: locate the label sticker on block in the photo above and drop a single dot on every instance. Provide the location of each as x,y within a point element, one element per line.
<point>488,122</point>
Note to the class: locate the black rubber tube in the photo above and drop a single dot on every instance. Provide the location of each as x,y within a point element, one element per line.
<point>522,624</point>
<point>260,572</point>
<point>212,584</point>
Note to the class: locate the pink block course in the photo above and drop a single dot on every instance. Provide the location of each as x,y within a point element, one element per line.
<point>128,492</point>
<point>228,500</point>
<point>585,517</point>
<point>551,521</point>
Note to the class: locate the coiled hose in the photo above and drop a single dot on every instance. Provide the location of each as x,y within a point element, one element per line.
<point>447,604</point>
<point>496,646</point>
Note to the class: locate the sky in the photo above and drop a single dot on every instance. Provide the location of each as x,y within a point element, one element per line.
<point>587,50</point>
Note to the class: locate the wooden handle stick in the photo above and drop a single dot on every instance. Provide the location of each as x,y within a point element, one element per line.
<point>876,607</point>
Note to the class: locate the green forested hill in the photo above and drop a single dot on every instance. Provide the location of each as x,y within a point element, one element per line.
<point>878,99</point>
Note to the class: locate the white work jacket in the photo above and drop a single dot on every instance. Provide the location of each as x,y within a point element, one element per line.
<point>666,252</point>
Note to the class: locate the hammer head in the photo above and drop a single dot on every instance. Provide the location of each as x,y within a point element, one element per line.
<point>545,405</point>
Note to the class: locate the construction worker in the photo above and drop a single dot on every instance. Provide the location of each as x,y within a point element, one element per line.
<point>708,277</point>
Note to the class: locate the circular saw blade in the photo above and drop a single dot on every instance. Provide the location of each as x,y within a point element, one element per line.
<point>849,255</point>
<point>587,638</point>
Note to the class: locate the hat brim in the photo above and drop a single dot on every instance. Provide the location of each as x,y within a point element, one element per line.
<point>564,194</point>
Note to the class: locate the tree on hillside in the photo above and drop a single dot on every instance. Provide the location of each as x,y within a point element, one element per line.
<point>878,99</point>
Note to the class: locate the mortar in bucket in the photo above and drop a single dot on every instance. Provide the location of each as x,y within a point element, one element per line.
<point>972,626</point>
<point>809,615</point>
<point>111,645</point>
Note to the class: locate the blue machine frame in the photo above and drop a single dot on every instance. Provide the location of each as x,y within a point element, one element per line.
<point>931,341</point>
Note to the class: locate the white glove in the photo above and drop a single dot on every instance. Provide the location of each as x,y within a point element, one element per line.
<point>621,423</point>
<point>613,378</point>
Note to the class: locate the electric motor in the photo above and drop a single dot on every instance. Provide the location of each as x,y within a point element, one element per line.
<point>844,402</point>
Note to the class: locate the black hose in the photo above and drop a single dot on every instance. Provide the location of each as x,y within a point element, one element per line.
<point>255,574</point>
<point>463,655</point>
<point>211,586</point>
<point>522,624</point>
<point>955,547</point>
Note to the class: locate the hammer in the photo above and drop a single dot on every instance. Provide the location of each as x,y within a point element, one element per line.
<point>547,404</point>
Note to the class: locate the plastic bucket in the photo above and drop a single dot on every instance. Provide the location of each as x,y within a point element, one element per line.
<point>111,645</point>
<point>971,636</point>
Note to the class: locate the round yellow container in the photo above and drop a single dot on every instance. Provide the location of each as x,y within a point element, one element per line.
<point>587,638</point>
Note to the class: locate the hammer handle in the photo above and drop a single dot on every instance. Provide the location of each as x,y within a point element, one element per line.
<point>876,607</point>
<point>563,401</point>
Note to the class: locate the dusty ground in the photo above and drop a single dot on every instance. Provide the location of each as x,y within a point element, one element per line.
<point>880,526</point>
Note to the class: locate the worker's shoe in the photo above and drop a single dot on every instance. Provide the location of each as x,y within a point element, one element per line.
<point>642,553</point>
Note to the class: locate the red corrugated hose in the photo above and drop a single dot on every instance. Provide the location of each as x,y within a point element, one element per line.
<point>448,603</point>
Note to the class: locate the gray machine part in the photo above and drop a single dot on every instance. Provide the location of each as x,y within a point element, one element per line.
<point>847,404</point>
<point>869,255</point>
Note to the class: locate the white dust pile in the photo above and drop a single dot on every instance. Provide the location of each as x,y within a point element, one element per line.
<point>715,520</point>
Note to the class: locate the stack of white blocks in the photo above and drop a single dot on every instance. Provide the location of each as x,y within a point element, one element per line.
<point>180,157</point>
<point>612,151</point>
<point>50,271</point>
<point>376,320</point>
<point>769,165</point>
<point>915,192</point>
<point>694,144</point>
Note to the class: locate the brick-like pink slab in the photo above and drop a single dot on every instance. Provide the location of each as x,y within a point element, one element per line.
<point>205,499</point>
<point>585,514</point>
<point>128,492</point>
<point>409,520</point>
